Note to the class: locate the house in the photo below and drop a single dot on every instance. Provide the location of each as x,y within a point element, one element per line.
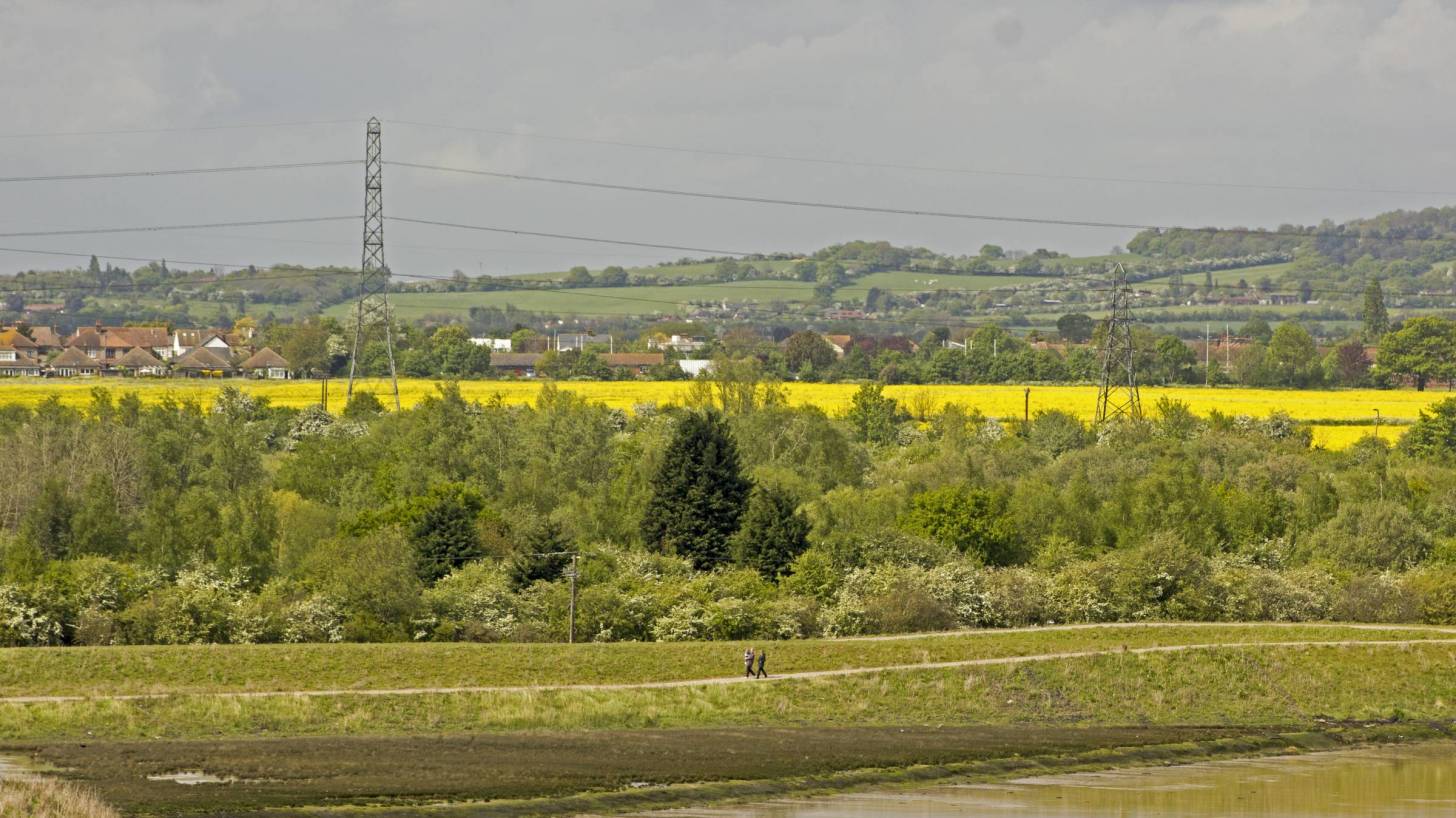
<point>74,363</point>
<point>47,341</point>
<point>186,340</point>
<point>694,368</point>
<point>495,344</point>
<point>265,363</point>
<point>140,362</point>
<point>202,362</point>
<point>108,344</point>
<point>568,341</point>
<point>99,344</point>
<point>638,362</point>
<point>18,355</point>
<point>519,364</point>
<point>677,343</point>
<point>844,315</point>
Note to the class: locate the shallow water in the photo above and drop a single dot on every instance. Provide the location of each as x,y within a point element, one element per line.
<point>1396,782</point>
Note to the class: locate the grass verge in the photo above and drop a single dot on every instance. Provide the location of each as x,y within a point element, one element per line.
<point>1258,686</point>
<point>226,668</point>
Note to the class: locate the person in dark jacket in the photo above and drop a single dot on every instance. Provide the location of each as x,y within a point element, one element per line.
<point>762,657</point>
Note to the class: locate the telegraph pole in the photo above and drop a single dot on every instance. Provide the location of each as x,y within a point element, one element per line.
<point>373,304</point>
<point>571,605</point>
<point>1207,362</point>
<point>1117,396</point>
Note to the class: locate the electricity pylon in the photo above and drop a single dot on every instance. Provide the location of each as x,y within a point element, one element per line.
<point>1117,396</point>
<point>373,305</point>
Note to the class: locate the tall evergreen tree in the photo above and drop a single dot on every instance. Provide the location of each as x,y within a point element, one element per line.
<point>773,532</point>
<point>698,494</point>
<point>1377,321</point>
<point>444,530</point>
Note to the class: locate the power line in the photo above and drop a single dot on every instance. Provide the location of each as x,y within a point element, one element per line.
<point>180,129</point>
<point>163,227</point>
<point>564,236</point>
<point>70,177</point>
<point>434,248</point>
<point>896,211</point>
<point>779,157</point>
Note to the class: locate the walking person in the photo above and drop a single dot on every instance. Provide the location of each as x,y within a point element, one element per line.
<point>748,663</point>
<point>762,657</point>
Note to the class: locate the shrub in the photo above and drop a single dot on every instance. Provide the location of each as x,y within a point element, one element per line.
<point>24,622</point>
<point>1377,535</point>
<point>202,606</point>
<point>1246,591</point>
<point>1437,590</point>
<point>1384,597</point>
<point>474,603</point>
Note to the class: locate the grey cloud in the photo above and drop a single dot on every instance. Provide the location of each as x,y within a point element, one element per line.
<point>1329,93</point>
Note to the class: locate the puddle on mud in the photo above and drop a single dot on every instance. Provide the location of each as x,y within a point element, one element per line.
<point>1389,782</point>
<point>192,778</point>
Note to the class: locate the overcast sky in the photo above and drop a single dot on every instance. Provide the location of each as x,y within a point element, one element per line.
<point>1282,93</point>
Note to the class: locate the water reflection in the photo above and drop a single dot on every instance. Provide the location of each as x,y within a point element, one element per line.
<point>1397,782</point>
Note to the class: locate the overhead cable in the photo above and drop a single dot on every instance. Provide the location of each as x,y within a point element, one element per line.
<point>817,160</point>
<point>128,174</point>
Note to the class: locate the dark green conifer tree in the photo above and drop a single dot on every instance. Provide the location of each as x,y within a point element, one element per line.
<point>699,493</point>
<point>773,532</point>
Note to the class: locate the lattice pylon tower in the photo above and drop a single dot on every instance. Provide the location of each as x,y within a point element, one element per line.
<point>1117,395</point>
<point>372,313</point>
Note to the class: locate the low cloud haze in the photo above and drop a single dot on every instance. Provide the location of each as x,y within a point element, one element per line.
<point>1284,93</point>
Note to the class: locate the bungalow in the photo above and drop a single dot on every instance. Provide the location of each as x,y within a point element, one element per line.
<point>74,363</point>
<point>140,362</point>
<point>638,362</point>
<point>17,355</point>
<point>201,362</point>
<point>519,364</point>
<point>47,341</point>
<point>265,363</point>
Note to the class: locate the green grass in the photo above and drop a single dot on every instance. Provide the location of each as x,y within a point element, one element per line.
<point>224,668</point>
<point>666,271</point>
<point>1249,274</point>
<point>596,300</point>
<point>1250,686</point>
<point>906,281</point>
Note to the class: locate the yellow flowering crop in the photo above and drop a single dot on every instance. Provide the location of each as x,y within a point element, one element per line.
<point>1330,411</point>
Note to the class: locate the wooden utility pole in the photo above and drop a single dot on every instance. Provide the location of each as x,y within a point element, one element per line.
<point>571,606</point>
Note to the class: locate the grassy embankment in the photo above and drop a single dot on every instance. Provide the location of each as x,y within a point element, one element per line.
<point>583,748</point>
<point>1339,417</point>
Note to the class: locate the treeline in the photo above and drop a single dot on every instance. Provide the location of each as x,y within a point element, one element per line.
<point>733,516</point>
<point>1427,236</point>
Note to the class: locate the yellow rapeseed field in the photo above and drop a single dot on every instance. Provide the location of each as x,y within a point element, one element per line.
<point>1330,411</point>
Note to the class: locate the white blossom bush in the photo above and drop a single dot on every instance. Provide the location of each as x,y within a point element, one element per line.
<point>23,623</point>
<point>202,606</point>
<point>474,602</point>
<point>315,618</point>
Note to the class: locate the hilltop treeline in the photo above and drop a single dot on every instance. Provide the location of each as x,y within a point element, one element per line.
<point>733,517</point>
<point>1427,236</point>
